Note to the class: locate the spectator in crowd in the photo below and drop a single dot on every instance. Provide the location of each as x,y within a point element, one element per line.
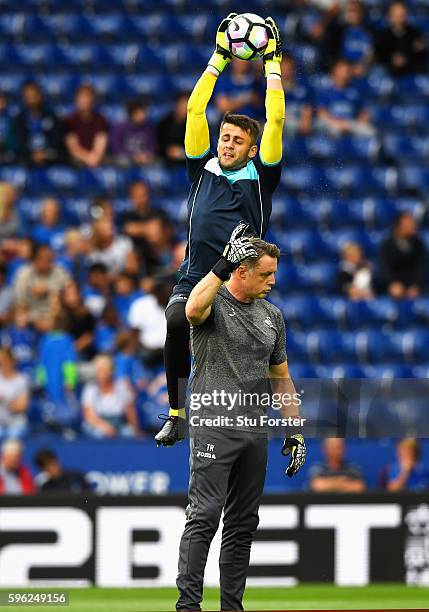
<point>37,131</point>
<point>336,475</point>
<point>14,397</point>
<point>15,477</point>
<point>128,365</point>
<point>133,142</point>
<point>160,242</point>
<point>49,230</point>
<point>171,132</point>
<point>6,297</point>
<point>147,316</point>
<point>38,284</point>
<point>239,90</point>
<point>108,403</point>
<point>299,103</point>
<point>86,130</point>
<point>20,252</point>
<point>20,336</point>
<point>347,37</point>
<point>7,138</point>
<point>354,278</point>
<point>126,292</point>
<point>96,291</point>
<point>57,376</point>
<point>107,329</point>
<point>409,471</point>
<point>54,478</point>
<point>403,259</point>
<point>9,220</point>
<point>340,107</point>
<point>80,322</point>
<point>400,46</point>
<point>73,256</point>
<point>109,248</point>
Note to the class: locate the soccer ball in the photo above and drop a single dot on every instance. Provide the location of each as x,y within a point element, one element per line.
<point>247,36</point>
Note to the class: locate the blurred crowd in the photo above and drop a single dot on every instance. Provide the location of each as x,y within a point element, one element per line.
<point>335,474</point>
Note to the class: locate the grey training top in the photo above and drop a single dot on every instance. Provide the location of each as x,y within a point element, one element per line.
<point>232,352</point>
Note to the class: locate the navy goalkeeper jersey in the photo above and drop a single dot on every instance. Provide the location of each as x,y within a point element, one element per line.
<point>218,201</point>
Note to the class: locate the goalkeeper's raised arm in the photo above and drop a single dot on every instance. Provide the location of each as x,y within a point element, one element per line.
<point>271,148</point>
<point>197,136</point>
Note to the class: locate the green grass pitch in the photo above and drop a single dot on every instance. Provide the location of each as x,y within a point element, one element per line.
<point>305,597</point>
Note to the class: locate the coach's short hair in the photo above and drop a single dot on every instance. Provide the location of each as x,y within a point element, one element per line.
<point>249,125</point>
<point>262,248</point>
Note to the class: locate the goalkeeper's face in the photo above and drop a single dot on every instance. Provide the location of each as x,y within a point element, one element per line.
<point>258,280</point>
<point>235,147</point>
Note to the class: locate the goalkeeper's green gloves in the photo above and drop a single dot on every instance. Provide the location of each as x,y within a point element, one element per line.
<point>295,446</point>
<point>273,53</point>
<point>173,430</point>
<point>238,248</point>
<point>222,56</point>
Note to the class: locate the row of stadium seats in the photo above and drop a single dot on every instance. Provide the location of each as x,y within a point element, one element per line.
<point>288,212</point>
<point>307,312</point>
<point>355,179</point>
<point>366,346</point>
<point>387,370</point>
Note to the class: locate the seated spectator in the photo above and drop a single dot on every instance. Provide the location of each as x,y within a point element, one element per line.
<point>147,316</point>
<point>38,284</point>
<point>336,475</point>
<point>171,132</point>
<point>348,37</point>
<point>54,478</point>
<point>403,259</point>
<point>15,478</point>
<point>14,397</point>
<point>86,130</point>
<point>239,91</point>
<point>57,376</point>
<point>299,111</point>
<point>75,251</point>
<point>49,230</point>
<point>107,329</point>
<point>97,289</point>
<point>340,107</point>
<point>126,292</point>
<point>408,472</point>
<point>160,242</point>
<point>400,46</point>
<point>9,220</point>
<point>20,336</point>
<point>19,252</point>
<point>108,404</point>
<point>7,137</point>
<point>37,131</point>
<point>108,247</point>
<point>133,143</point>
<point>128,365</point>
<point>354,276</point>
<point>6,297</point>
<point>80,322</point>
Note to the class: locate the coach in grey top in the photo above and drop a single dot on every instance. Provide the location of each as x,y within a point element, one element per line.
<point>238,340</point>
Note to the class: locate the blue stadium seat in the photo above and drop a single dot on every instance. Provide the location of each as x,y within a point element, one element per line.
<point>342,370</point>
<point>303,244</point>
<point>358,147</point>
<point>376,345</point>
<point>321,276</point>
<point>401,146</point>
<point>302,370</point>
<point>333,346</point>
<point>12,25</point>
<point>388,371</point>
<point>82,55</point>
<point>307,178</point>
<point>29,209</point>
<point>102,180</point>
<point>57,179</point>
<point>76,210</point>
<point>297,346</point>
<point>377,312</point>
<point>414,87</point>
<point>415,343</point>
<point>414,178</point>
<point>59,85</point>
<point>322,147</point>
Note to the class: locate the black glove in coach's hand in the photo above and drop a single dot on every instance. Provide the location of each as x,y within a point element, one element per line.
<point>295,446</point>
<point>237,249</point>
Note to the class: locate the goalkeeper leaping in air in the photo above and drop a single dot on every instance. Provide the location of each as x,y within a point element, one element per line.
<point>235,185</point>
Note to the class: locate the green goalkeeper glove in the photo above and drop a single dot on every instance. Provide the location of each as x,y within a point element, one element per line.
<point>273,53</point>
<point>295,446</point>
<point>222,56</point>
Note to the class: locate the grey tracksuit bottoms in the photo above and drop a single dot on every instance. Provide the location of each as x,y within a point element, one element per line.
<point>227,472</point>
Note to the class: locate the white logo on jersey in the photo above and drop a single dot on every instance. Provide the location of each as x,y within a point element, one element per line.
<point>269,322</point>
<point>232,313</point>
